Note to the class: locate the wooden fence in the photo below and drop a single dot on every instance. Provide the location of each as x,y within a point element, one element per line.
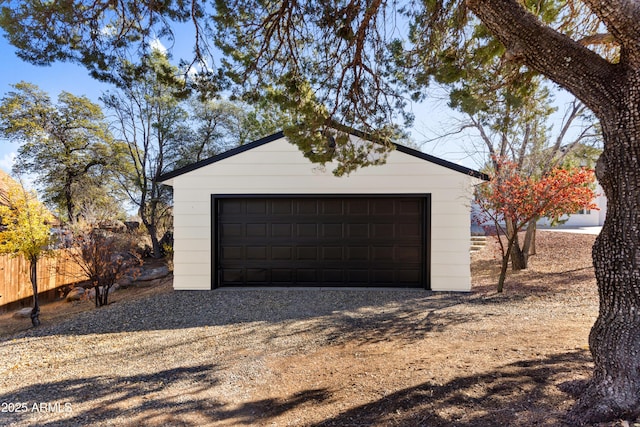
<point>53,272</point>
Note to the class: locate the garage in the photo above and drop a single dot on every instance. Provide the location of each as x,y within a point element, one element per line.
<point>355,241</point>
<point>262,216</point>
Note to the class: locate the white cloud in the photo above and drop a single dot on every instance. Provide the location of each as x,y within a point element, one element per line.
<point>156,44</point>
<point>7,161</point>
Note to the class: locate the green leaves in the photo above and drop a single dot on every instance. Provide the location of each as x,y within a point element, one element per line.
<point>92,34</point>
<point>66,145</point>
<point>321,62</point>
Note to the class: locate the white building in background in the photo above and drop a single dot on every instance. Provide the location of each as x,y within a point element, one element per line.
<point>584,217</point>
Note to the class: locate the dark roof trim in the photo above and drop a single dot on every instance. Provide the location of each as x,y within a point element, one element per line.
<point>221,156</point>
<point>241,149</point>
<point>441,162</point>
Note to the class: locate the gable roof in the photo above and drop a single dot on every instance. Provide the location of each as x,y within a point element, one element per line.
<point>241,149</point>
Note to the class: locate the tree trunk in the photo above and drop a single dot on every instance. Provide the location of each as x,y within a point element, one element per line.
<point>613,391</point>
<point>68,199</point>
<point>612,91</point>
<point>105,295</point>
<point>505,263</point>
<point>529,245</point>
<point>155,243</point>
<point>518,257</point>
<point>33,275</point>
<point>147,213</point>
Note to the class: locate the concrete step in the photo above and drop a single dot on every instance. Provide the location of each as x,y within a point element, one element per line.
<point>478,242</point>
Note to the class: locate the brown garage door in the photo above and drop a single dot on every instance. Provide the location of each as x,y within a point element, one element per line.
<point>321,241</point>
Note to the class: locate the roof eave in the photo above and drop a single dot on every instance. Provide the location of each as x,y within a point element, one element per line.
<point>167,178</point>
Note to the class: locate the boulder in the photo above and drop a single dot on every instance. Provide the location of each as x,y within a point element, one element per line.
<point>92,292</point>
<point>124,281</point>
<point>75,294</point>
<point>23,313</point>
<point>153,273</point>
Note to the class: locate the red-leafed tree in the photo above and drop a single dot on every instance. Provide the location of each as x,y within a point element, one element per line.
<point>511,198</point>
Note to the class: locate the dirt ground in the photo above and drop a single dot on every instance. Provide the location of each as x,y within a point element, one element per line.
<point>491,360</point>
<point>483,359</point>
<point>57,311</point>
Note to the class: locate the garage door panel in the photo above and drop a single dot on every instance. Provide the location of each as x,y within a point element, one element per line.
<point>231,207</point>
<point>408,254</point>
<point>307,253</point>
<point>256,230</point>
<point>307,207</point>
<point>324,241</point>
<point>231,230</point>
<point>382,207</point>
<point>256,207</point>
<point>232,253</point>
<point>357,206</point>
<point>379,230</point>
<point>384,277</point>
<point>409,207</point>
<point>332,207</point>
<point>409,230</point>
<point>307,276</point>
<point>358,277</point>
<point>281,207</point>
<point>334,276</point>
<point>230,275</point>
<point>356,231</point>
<point>407,276</point>
<point>332,230</point>
<point>332,253</point>
<point>279,275</point>
<point>307,230</point>
<point>256,275</point>
<point>256,253</point>
<point>382,253</point>
<point>281,230</point>
<point>280,253</point>
<point>358,253</point>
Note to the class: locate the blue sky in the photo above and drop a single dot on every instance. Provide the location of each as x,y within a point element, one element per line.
<point>52,79</point>
<point>431,119</point>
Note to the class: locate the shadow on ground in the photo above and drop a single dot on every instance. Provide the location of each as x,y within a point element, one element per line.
<point>131,400</point>
<point>523,393</point>
<point>519,394</point>
<point>367,315</point>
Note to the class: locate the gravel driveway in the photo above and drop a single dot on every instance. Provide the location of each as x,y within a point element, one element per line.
<point>185,358</point>
<point>316,358</point>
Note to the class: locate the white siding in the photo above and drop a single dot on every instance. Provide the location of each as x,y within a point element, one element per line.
<point>279,167</point>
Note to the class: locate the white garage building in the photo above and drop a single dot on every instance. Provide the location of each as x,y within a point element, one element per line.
<point>263,215</point>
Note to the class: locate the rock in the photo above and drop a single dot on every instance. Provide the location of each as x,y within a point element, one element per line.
<point>154,273</point>
<point>132,225</point>
<point>92,291</point>
<point>125,281</point>
<point>75,294</point>
<point>23,313</point>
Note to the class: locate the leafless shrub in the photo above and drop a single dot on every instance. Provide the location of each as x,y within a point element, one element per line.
<point>105,258</point>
